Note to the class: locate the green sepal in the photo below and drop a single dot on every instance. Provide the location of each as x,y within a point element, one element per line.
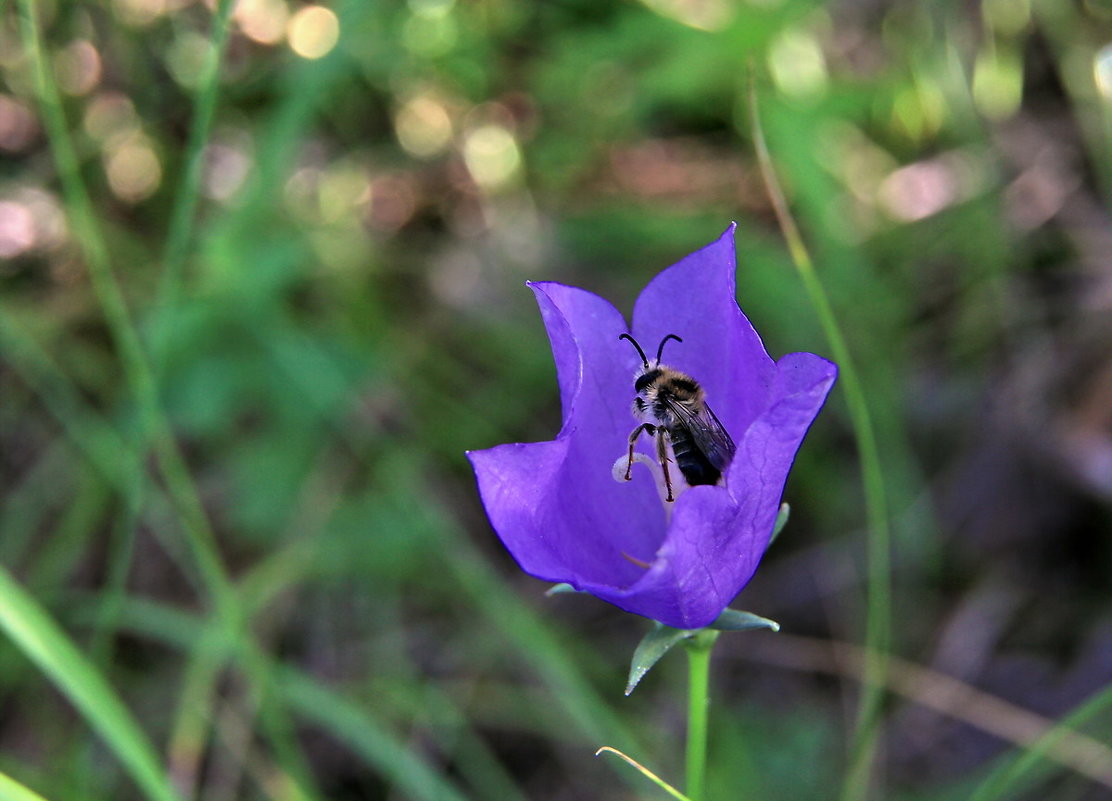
<point>781,521</point>
<point>737,620</point>
<point>654,645</point>
<point>560,589</point>
<point>661,639</point>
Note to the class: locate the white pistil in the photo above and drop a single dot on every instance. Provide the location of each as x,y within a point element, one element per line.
<point>618,471</point>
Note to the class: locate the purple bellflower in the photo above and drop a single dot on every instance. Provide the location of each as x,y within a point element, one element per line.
<point>563,509</point>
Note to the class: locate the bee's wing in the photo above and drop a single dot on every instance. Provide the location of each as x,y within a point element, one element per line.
<point>709,434</point>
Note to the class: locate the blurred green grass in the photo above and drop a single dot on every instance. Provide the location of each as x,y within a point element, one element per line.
<point>273,552</point>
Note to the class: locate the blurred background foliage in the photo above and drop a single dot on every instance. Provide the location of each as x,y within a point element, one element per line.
<point>245,500</point>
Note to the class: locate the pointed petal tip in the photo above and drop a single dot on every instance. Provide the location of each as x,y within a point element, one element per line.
<point>726,236</point>
<point>540,288</point>
<point>476,455</point>
<point>809,366</point>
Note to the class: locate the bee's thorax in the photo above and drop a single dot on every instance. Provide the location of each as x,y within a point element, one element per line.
<point>658,386</point>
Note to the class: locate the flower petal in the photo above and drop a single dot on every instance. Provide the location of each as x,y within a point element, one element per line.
<point>583,329</point>
<point>555,505</point>
<point>696,299</point>
<point>514,482</point>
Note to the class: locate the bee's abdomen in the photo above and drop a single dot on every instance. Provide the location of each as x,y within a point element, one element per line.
<point>692,462</point>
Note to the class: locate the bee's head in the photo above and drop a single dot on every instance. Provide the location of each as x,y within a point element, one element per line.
<point>650,371</point>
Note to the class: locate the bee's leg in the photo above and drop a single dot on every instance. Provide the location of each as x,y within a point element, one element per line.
<point>632,440</point>
<point>662,455</point>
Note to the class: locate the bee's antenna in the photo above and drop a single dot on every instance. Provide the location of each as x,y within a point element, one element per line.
<point>640,352</point>
<point>660,350</point>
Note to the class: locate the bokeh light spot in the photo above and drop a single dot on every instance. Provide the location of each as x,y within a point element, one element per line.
<point>17,229</point>
<point>109,114</point>
<point>1102,71</point>
<point>313,31</point>
<point>17,124</point>
<point>134,171</point>
<point>430,35</point>
<point>393,202</point>
<point>797,64</point>
<point>423,126</point>
<point>431,8</point>
<point>78,68</point>
<point>226,166</point>
<point>140,12</point>
<point>927,187</point>
<point>186,58</point>
<point>30,219</point>
<point>491,155</point>
<point>46,211</point>
<point>919,109</point>
<point>857,161</point>
<point>704,15</point>
<point>263,21</point>
<point>343,186</point>
<point>998,82</point>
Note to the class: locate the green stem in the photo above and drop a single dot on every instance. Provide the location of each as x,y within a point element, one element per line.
<point>878,623</point>
<point>698,704</point>
<point>186,199</point>
<point>1003,779</point>
<point>137,369</point>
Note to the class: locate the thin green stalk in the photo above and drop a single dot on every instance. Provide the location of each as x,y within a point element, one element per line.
<point>124,334</point>
<point>101,646</point>
<point>878,624</point>
<point>648,774</point>
<point>1003,780</point>
<point>121,551</point>
<point>187,196</point>
<point>698,704</point>
<point>348,721</point>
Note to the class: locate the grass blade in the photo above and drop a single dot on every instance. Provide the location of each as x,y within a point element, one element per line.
<point>139,374</point>
<point>11,790</point>
<point>188,193</point>
<point>344,719</point>
<point>380,748</point>
<point>878,624</point>
<point>36,634</point>
<point>1002,780</point>
<point>659,782</point>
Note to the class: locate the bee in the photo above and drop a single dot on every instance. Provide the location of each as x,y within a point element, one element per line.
<point>672,406</point>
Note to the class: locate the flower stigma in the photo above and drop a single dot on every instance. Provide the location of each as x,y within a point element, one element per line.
<point>621,464</point>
